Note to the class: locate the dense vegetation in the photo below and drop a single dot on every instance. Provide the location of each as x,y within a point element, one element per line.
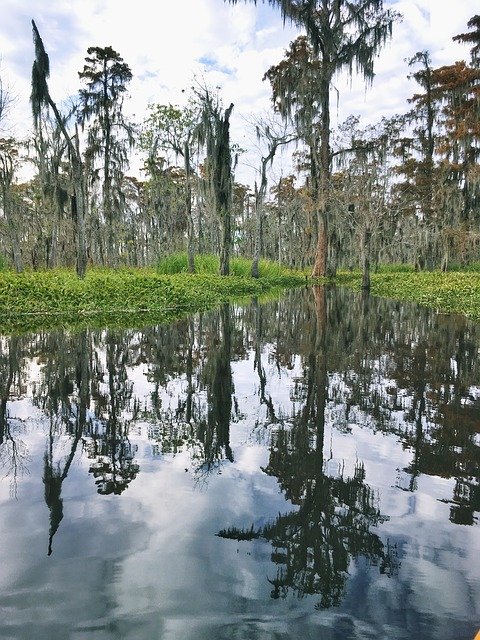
<point>129,296</point>
<point>452,292</point>
<point>122,297</point>
<point>405,190</point>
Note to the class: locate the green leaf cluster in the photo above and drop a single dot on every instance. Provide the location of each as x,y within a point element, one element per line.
<point>240,267</point>
<point>123,297</point>
<point>450,292</point>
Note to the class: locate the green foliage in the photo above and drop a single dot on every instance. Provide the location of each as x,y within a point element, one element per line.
<point>137,297</point>
<point>451,292</point>
<point>178,263</point>
<point>239,267</point>
<point>396,268</point>
<point>123,297</point>
<point>167,127</point>
<point>473,267</point>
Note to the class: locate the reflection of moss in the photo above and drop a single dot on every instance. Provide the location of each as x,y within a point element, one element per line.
<point>240,534</point>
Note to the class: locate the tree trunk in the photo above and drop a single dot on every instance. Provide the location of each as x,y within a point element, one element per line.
<point>12,232</point>
<point>81,265</point>
<point>112,258</point>
<point>16,248</point>
<point>320,266</point>
<point>223,189</point>
<point>188,207</point>
<point>365,259</point>
<point>226,241</point>
<point>258,247</point>
<point>322,199</point>
<point>259,195</point>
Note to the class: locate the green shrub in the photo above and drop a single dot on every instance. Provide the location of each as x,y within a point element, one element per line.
<point>473,267</point>
<point>395,268</point>
<point>173,263</point>
<point>451,292</point>
<point>178,263</point>
<point>209,263</point>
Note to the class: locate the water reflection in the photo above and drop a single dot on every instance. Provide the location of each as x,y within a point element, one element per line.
<point>314,386</point>
<point>108,446</point>
<point>314,545</point>
<point>13,452</point>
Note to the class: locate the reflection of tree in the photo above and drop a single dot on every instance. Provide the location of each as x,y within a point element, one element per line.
<point>114,467</point>
<point>444,417</point>
<point>408,372</point>
<point>193,402</point>
<point>451,447</point>
<point>64,395</point>
<point>12,450</point>
<point>314,545</point>
<point>258,365</point>
<point>214,431</point>
<point>466,500</point>
<point>392,368</point>
<point>55,472</point>
<point>175,355</point>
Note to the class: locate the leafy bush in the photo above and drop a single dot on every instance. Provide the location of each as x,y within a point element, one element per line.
<point>473,267</point>
<point>178,263</point>
<point>396,268</point>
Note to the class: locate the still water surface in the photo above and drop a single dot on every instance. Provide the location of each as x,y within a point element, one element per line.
<point>307,468</point>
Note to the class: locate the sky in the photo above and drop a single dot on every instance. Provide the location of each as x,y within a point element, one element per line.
<point>170,44</point>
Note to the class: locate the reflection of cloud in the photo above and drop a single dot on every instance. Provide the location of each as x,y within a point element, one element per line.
<point>440,561</point>
<point>147,564</point>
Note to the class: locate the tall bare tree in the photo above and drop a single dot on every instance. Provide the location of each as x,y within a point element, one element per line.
<point>275,136</point>
<point>41,98</point>
<point>6,101</point>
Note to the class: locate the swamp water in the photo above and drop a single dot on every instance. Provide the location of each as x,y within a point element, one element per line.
<point>307,468</point>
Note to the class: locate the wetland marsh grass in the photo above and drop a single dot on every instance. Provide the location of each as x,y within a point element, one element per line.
<point>123,297</point>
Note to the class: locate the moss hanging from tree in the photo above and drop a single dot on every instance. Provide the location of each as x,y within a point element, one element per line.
<point>214,133</point>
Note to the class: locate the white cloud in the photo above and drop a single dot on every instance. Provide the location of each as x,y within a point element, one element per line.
<point>166,44</point>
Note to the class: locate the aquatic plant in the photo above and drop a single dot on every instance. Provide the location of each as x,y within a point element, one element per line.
<point>121,297</point>
<point>450,292</point>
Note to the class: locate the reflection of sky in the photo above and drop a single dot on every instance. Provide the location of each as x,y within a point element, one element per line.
<point>147,564</point>
<point>440,563</point>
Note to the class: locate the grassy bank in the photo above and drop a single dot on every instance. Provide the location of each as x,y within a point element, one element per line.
<point>134,297</point>
<point>451,292</point>
<point>124,297</point>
